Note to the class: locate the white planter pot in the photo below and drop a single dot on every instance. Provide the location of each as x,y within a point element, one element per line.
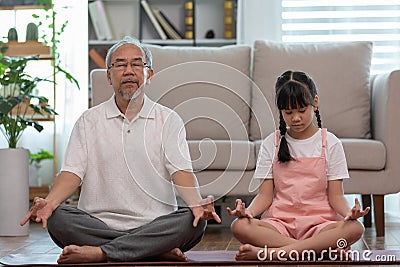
<point>14,191</point>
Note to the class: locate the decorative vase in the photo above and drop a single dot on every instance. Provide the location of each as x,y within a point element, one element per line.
<point>14,191</point>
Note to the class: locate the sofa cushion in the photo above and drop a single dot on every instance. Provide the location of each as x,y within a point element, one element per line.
<point>341,72</point>
<point>220,183</point>
<point>361,154</point>
<point>101,90</point>
<point>208,87</point>
<point>230,155</point>
<point>364,154</point>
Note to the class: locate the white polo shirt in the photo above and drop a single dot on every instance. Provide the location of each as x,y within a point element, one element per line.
<point>126,167</point>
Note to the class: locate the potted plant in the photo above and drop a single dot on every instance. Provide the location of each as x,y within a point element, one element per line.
<point>20,104</point>
<point>35,160</point>
<point>18,107</point>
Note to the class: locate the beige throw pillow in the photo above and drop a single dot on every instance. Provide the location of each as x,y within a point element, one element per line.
<point>209,87</point>
<point>341,72</point>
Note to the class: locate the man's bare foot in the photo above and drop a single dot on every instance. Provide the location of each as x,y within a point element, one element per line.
<point>174,255</point>
<point>77,254</point>
<point>248,252</point>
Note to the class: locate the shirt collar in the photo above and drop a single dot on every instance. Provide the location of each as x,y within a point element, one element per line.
<point>147,110</point>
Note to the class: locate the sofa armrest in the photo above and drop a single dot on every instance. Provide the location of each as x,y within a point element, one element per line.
<point>385,122</point>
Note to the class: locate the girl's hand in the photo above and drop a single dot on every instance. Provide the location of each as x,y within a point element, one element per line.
<point>240,210</point>
<point>356,211</point>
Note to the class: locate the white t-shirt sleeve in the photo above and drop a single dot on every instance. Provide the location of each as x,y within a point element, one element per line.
<point>175,146</point>
<point>336,160</point>
<point>75,158</point>
<point>265,158</point>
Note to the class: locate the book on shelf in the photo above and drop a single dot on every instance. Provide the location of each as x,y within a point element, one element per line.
<point>153,19</point>
<point>229,20</point>
<point>168,27</point>
<point>97,58</point>
<point>189,27</point>
<point>100,21</point>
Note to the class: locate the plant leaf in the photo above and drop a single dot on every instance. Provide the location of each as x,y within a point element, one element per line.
<point>68,76</point>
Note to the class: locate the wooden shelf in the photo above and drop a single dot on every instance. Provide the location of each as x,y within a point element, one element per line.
<point>24,7</point>
<point>43,118</point>
<point>29,48</point>
<point>29,113</point>
<point>38,191</point>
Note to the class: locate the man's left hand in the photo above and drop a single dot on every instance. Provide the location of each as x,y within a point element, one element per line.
<point>205,211</point>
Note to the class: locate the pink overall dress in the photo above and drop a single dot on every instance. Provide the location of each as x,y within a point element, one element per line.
<point>300,208</point>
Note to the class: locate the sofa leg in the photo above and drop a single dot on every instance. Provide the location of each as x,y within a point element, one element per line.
<point>366,202</point>
<point>379,214</point>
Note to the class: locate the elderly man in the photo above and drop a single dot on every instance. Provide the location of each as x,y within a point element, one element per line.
<point>129,155</point>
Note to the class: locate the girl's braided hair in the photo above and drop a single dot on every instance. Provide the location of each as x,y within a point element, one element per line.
<point>294,89</point>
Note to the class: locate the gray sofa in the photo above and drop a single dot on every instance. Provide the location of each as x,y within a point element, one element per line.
<point>226,98</point>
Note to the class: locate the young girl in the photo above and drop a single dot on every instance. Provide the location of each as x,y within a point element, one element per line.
<point>301,198</point>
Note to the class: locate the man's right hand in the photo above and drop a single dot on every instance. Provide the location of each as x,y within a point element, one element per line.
<point>41,210</point>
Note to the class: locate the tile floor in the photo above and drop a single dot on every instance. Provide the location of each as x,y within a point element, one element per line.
<point>216,238</point>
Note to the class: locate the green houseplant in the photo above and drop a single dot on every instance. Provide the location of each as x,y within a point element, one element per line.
<point>35,163</point>
<point>17,86</point>
<point>37,158</point>
<point>18,107</point>
<point>16,94</point>
<point>18,103</point>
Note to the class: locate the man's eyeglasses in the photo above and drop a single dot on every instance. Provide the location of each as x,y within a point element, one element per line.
<point>137,65</point>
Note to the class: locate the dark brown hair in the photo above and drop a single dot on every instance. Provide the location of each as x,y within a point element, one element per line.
<point>294,89</point>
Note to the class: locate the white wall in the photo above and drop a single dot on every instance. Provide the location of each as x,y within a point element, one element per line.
<point>71,101</point>
<point>258,19</point>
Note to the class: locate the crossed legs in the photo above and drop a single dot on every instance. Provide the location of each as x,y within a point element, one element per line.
<point>256,234</point>
<point>85,238</point>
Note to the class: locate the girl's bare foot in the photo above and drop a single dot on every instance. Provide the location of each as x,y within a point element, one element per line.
<point>80,254</point>
<point>248,252</point>
<point>174,255</point>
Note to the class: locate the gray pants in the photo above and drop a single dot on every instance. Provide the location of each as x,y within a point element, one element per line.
<point>69,225</point>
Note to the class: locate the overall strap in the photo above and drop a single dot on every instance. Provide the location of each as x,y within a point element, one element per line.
<point>277,142</point>
<point>323,132</point>
<point>277,138</point>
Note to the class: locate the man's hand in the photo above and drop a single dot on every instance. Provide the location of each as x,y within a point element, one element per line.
<point>240,210</point>
<point>41,210</point>
<point>205,211</point>
<point>356,211</point>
